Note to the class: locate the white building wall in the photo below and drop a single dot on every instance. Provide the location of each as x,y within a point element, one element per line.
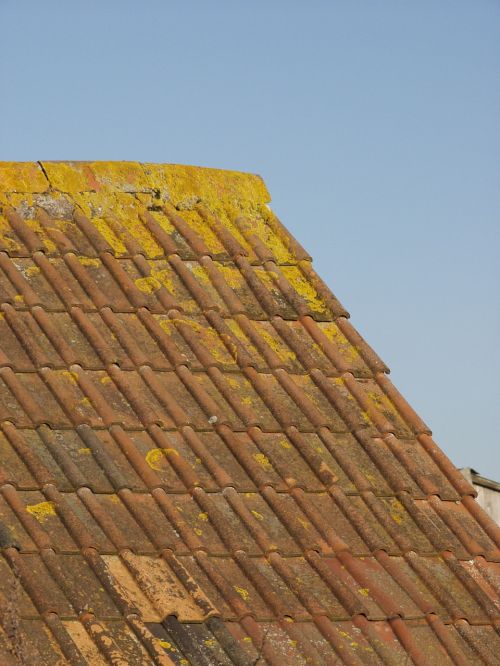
<point>489,499</point>
<point>488,492</point>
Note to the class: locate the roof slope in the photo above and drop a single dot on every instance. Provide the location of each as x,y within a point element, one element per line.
<point>201,461</point>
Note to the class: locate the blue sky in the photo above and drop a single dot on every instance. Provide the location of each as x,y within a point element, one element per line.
<point>375,125</point>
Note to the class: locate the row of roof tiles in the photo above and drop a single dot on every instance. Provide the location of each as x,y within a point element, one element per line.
<point>36,338</point>
<point>357,642</point>
<point>302,588</point>
<point>126,284</point>
<point>63,398</point>
<point>107,459</point>
<point>225,522</point>
<point>151,228</point>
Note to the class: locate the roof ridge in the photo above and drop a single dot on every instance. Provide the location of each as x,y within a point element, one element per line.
<point>168,181</point>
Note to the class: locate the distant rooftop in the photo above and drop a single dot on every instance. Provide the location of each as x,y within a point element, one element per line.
<point>488,492</point>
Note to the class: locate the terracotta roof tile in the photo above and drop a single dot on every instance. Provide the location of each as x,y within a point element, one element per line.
<point>201,461</point>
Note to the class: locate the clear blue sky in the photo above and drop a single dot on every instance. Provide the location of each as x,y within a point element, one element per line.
<point>376,126</point>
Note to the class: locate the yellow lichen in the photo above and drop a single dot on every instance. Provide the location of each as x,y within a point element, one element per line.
<point>42,511</point>
<point>262,460</point>
<point>36,226</point>
<point>255,224</point>
<point>31,271</point>
<point>163,222</point>
<point>397,511</point>
<point>154,457</point>
<point>156,279</point>
<point>232,276</point>
<point>10,244</point>
<point>199,272</point>
<point>166,325</point>
<point>22,177</point>
<point>244,594</point>
<point>257,515</point>
<point>147,284</point>
<point>203,230</point>
<point>334,334</point>
<point>235,328</point>
<point>213,186</point>
<point>366,417</point>
<point>164,276</point>
<point>105,186</point>
<point>284,353</point>
<point>203,516</point>
<point>111,238</point>
<point>304,288</point>
<point>125,210</point>
<point>230,343</point>
<point>210,338</point>
<point>72,377</point>
<point>305,524</point>
<point>89,261</point>
<point>69,177</point>
<point>265,277</point>
<point>382,402</point>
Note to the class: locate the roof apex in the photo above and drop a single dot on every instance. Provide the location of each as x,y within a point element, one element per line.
<point>168,181</point>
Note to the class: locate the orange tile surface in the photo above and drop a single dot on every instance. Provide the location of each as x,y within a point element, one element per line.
<point>201,461</point>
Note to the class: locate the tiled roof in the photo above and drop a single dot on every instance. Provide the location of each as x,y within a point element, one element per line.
<point>201,461</point>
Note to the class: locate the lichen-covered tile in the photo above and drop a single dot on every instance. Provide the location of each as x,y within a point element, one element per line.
<point>355,461</point>
<point>13,468</point>
<point>288,461</point>
<point>111,510</point>
<point>338,526</point>
<point>147,457</point>
<point>64,384</point>
<point>152,520</point>
<point>44,512</point>
<point>227,461</point>
<point>22,177</point>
